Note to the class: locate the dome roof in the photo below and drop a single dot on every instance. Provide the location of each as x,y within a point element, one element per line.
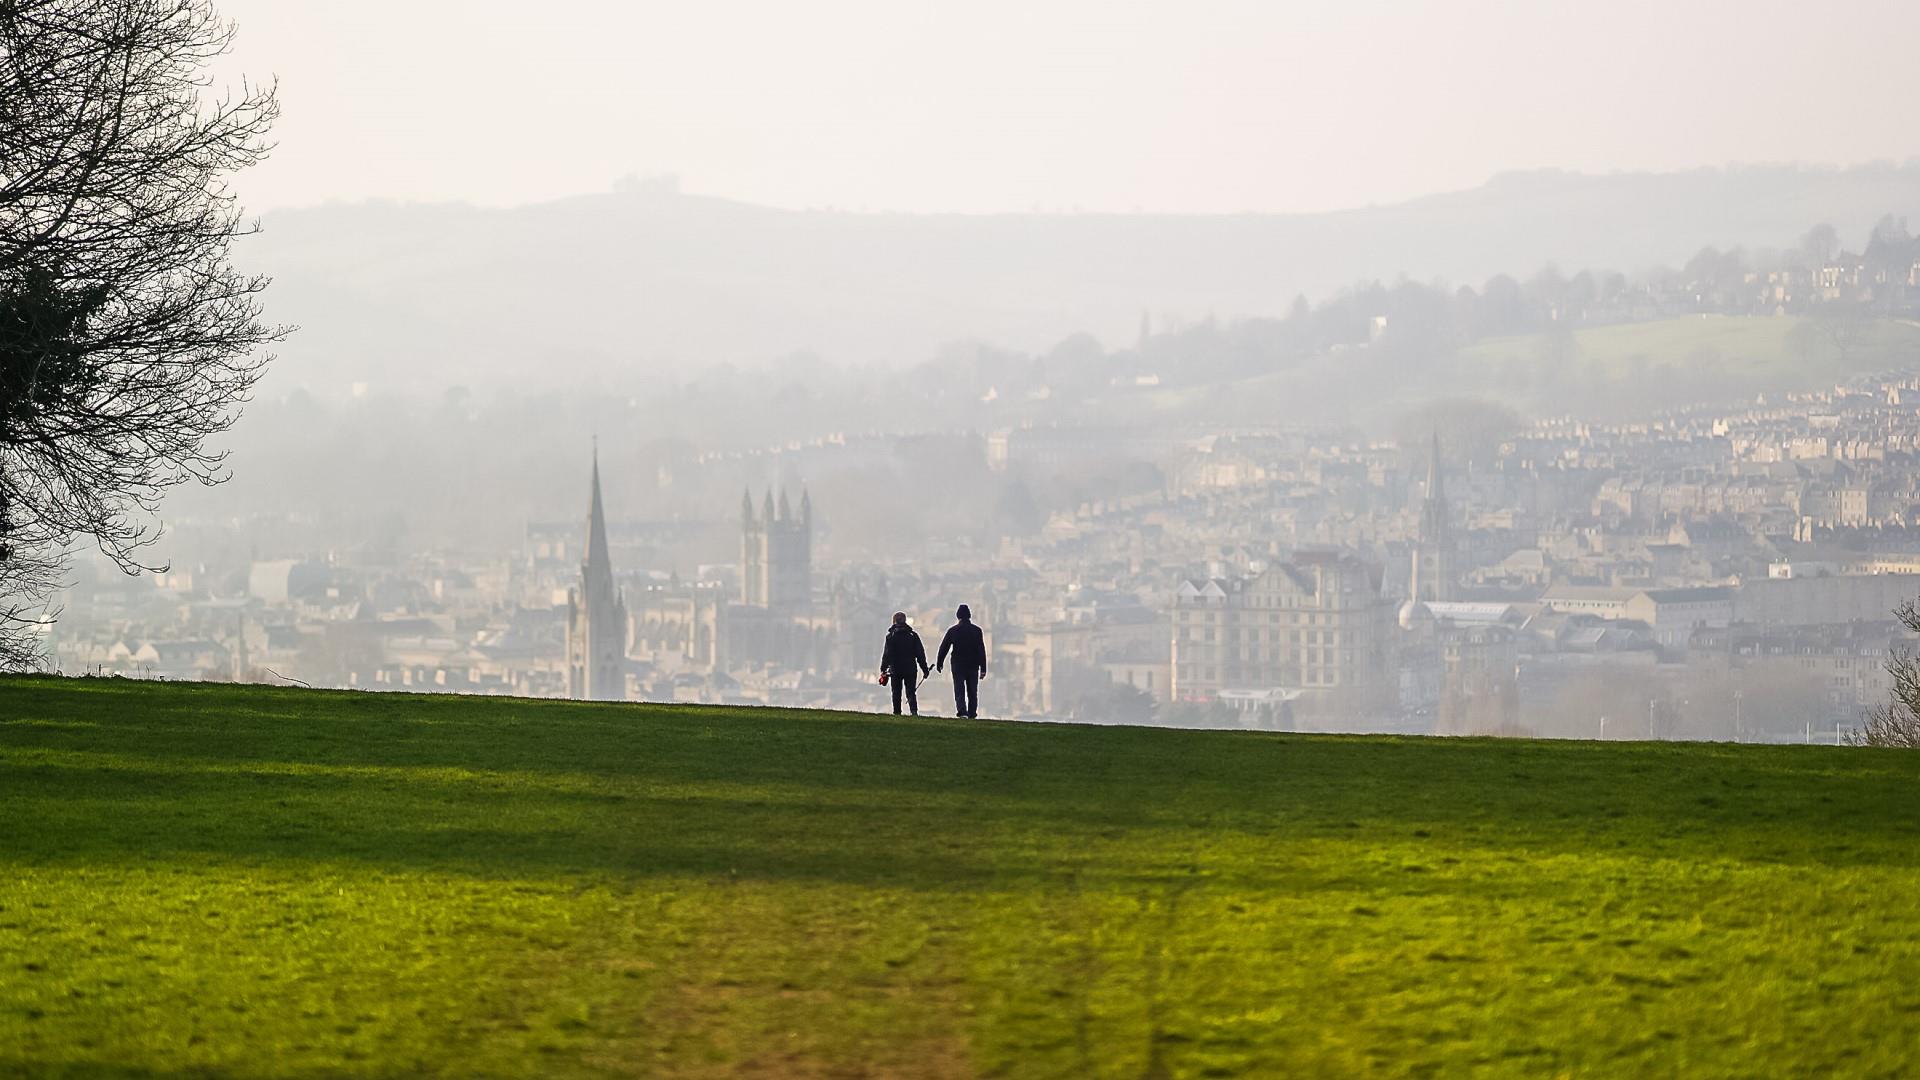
<point>1414,613</point>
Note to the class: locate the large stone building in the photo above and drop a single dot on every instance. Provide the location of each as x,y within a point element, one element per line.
<point>775,622</point>
<point>1481,692</point>
<point>776,554</point>
<point>596,616</point>
<point>1316,623</point>
<point>680,628</point>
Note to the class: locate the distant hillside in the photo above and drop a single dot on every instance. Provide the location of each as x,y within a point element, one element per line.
<point>241,881</point>
<point>1640,368</point>
<point>649,281</point>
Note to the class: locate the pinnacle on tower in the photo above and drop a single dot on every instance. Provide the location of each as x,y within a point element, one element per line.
<point>1434,490</point>
<point>746,506</point>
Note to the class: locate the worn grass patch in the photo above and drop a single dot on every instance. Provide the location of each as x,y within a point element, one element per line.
<point>242,881</point>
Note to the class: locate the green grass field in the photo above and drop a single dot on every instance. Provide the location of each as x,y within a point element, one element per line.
<point>1600,372</point>
<point>205,881</point>
<point>1753,345</point>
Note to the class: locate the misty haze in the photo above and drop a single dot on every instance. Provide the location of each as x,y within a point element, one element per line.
<point>1691,474</point>
<point>1038,377</point>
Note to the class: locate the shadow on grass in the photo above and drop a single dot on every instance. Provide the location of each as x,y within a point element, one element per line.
<point>113,771</point>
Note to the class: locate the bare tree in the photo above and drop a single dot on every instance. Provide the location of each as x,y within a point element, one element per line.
<point>1835,332</point>
<point>1819,245</point>
<point>1897,723</point>
<point>127,338</point>
<point>28,580</point>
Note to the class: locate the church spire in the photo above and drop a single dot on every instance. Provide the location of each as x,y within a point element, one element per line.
<point>596,615</point>
<point>1433,510</point>
<point>1434,490</point>
<point>1433,577</point>
<point>597,561</point>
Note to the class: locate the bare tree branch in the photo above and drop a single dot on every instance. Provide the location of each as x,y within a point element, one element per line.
<point>1897,723</point>
<point>127,338</point>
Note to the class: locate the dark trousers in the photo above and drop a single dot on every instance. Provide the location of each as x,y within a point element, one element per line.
<point>966,693</point>
<point>904,683</point>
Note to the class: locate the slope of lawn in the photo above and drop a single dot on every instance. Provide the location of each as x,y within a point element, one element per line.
<point>216,881</point>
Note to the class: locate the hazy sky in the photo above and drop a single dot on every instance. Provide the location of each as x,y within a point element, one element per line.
<point>988,105</point>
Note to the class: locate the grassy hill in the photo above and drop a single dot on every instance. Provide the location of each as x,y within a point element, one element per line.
<point>243,881</point>
<point>1757,344</point>
<point>1597,372</point>
<point>1639,367</point>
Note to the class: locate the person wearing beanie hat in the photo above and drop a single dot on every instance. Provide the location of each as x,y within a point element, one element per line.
<point>969,648</point>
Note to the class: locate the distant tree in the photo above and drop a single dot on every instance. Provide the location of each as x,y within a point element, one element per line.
<point>1765,698</point>
<point>1833,333</point>
<point>1897,723</point>
<point>1419,321</point>
<point>1196,714</point>
<point>1465,313</point>
<point>1820,245</point>
<point>1117,703</point>
<point>127,338</point>
<point>1889,231</point>
<point>1078,362</point>
<point>1613,287</point>
<point>1891,246</point>
<point>1582,293</point>
<point>1711,270</point>
<point>1546,294</point>
<point>1503,310</point>
<point>1611,701</point>
<point>1014,510</point>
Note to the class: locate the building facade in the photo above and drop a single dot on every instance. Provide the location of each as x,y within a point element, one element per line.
<point>1316,623</point>
<point>776,554</point>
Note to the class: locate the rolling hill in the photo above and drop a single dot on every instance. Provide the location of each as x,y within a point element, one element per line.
<point>656,283</point>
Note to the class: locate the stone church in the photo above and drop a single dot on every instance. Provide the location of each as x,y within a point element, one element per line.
<point>596,616</point>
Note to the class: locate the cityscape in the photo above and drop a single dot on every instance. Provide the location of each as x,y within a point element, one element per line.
<point>1624,578</point>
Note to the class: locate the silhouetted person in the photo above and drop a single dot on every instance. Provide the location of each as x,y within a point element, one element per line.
<point>969,648</point>
<point>903,661</point>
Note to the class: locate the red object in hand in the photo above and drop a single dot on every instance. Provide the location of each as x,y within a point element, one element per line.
<point>883,678</point>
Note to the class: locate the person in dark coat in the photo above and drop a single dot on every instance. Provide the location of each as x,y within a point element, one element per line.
<point>969,648</point>
<point>902,662</point>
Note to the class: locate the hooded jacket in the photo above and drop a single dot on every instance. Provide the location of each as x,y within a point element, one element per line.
<point>903,655</point>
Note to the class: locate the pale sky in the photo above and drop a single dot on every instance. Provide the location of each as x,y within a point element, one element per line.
<point>1100,105</point>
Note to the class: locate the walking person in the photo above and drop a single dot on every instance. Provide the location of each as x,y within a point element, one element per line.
<point>902,662</point>
<point>969,648</point>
